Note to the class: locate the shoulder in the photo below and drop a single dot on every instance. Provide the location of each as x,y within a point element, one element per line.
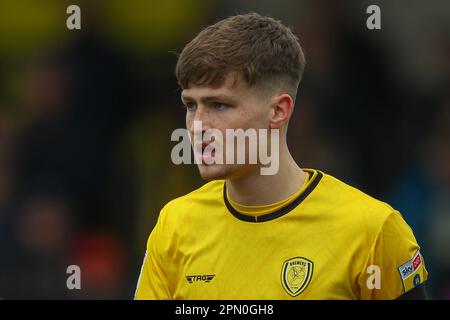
<point>354,206</point>
<point>211,190</point>
<point>209,193</point>
<point>342,192</point>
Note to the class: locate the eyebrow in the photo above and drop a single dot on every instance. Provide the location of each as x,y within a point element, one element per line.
<point>207,98</point>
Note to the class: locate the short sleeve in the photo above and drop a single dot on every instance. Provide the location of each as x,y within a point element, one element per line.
<point>152,283</point>
<point>394,264</point>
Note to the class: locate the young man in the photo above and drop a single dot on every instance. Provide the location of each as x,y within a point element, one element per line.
<point>296,234</point>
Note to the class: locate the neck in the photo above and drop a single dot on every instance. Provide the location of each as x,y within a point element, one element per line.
<point>255,189</point>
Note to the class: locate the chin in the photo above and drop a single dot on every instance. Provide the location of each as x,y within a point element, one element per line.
<point>216,172</point>
<point>225,171</point>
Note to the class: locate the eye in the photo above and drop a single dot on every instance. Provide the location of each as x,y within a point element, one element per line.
<point>220,105</point>
<point>190,106</point>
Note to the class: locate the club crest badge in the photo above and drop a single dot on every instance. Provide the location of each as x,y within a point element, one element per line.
<point>296,275</point>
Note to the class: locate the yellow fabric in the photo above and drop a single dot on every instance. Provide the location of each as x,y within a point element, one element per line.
<point>331,245</point>
<point>264,209</point>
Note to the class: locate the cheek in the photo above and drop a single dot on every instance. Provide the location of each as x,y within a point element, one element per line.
<point>189,120</point>
<point>254,117</point>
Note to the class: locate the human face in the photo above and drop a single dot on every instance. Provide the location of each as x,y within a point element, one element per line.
<point>233,105</point>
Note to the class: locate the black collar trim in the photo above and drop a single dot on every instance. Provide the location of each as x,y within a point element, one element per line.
<point>276,214</point>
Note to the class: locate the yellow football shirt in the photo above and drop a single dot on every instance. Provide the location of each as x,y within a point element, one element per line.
<point>331,241</point>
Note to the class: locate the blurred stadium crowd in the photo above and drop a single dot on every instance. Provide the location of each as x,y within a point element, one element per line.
<point>86,118</point>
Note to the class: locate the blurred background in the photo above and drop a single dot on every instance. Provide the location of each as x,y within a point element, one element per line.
<point>86,117</point>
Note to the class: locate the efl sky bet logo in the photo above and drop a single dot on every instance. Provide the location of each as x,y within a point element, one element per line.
<point>252,146</point>
<point>411,266</point>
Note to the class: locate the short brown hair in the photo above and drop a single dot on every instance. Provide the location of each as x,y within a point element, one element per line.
<point>261,48</point>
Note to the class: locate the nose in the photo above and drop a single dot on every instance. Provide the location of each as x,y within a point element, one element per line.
<point>201,115</point>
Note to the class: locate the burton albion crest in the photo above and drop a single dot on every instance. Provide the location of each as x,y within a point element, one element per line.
<point>296,275</point>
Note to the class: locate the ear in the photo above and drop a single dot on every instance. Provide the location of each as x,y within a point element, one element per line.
<point>282,108</point>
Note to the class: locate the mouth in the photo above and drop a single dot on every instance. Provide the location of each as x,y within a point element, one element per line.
<point>204,145</point>
<point>208,156</point>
